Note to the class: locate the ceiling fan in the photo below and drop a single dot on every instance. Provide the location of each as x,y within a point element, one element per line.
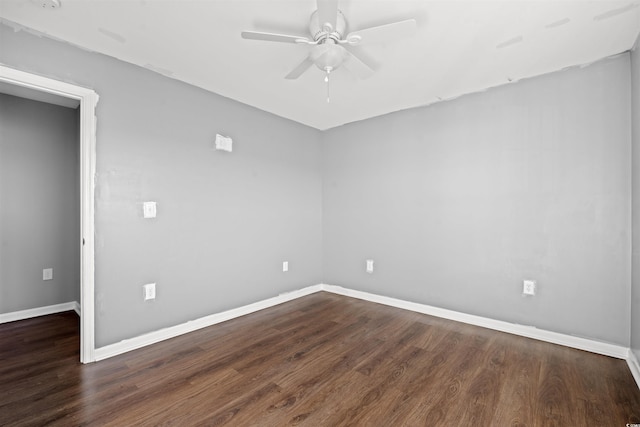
<point>328,42</point>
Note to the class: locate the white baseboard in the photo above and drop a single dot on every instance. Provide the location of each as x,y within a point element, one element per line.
<point>634,367</point>
<point>193,325</point>
<point>39,311</point>
<point>593,346</point>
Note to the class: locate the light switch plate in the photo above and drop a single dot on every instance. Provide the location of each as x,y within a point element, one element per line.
<point>47,274</point>
<point>285,266</point>
<point>149,209</point>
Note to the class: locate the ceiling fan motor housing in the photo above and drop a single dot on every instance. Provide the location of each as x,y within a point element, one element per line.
<point>317,28</point>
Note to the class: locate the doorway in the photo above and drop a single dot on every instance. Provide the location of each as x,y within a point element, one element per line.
<point>87,98</point>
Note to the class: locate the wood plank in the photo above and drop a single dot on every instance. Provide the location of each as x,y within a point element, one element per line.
<point>322,359</point>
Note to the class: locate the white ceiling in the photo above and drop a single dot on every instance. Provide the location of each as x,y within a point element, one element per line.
<point>460,46</point>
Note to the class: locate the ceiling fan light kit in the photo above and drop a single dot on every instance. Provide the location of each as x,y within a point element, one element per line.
<point>328,46</point>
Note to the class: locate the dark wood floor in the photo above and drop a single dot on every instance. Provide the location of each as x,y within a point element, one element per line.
<point>321,360</point>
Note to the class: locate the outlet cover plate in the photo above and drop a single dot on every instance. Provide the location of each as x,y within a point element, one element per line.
<point>369,266</point>
<point>47,274</point>
<point>529,287</point>
<point>149,291</point>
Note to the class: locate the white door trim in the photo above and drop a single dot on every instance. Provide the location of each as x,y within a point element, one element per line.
<point>88,101</point>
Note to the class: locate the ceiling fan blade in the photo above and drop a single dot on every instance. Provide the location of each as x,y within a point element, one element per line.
<point>383,33</point>
<point>300,69</point>
<point>318,51</point>
<point>327,13</point>
<point>271,37</point>
<point>356,65</point>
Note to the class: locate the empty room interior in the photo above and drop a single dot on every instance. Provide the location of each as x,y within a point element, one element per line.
<point>319,212</point>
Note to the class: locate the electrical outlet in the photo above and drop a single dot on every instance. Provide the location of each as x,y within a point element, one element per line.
<point>47,274</point>
<point>149,291</point>
<point>529,287</point>
<point>369,266</point>
<point>285,266</point>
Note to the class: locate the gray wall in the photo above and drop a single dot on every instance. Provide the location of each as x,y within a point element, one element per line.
<point>458,202</point>
<point>226,221</point>
<point>635,114</point>
<point>39,204</point>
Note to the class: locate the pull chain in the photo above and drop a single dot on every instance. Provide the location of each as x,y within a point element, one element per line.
<point>326,79</point>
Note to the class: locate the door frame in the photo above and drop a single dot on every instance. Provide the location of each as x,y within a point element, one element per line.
<point>88,101</point>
